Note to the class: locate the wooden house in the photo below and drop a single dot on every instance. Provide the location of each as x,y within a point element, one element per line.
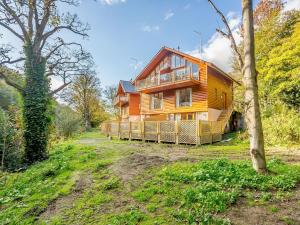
<point>127,101</point>
<point>178,86</point>
<point>176,98</point>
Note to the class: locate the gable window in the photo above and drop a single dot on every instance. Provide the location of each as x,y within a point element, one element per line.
<point>157,100</point>
<point>195,71</point>
<point>177,61</point>
<point>184,97</point>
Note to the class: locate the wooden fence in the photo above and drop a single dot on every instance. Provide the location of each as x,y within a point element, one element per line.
<point>179,132</point>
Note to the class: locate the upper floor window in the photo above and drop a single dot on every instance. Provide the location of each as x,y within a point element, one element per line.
<point>157,100</point>
<point>195,71</point>
<point>184,97</point>
<point>177,61</point>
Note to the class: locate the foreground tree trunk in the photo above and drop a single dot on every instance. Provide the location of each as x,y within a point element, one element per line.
<point>36,98</point>
<point>252,110</point>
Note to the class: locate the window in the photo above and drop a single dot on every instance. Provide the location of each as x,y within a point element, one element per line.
<point>157,100</point>
<point>187,116</point>
<point>184,97</point>
<point>181,74</point>
<point>216,93</point>
<point>177,61</point>
<point>195,71</point>
<point>166,77</point>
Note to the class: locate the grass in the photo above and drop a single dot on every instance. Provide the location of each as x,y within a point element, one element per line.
<point>176,192</point>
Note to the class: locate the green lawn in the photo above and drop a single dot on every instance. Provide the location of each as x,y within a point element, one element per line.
<point>92,180</point>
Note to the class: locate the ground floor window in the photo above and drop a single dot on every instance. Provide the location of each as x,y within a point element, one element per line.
<point>187,116</point>
<point>184,97</point>
<point>157,101</point>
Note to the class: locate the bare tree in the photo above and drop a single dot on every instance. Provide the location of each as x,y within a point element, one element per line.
<point>39,26</point>
<point>84,96</point>
<point>247,66</point>
<point>109,93</point>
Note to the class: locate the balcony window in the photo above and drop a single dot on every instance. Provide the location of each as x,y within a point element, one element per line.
<point>184,97</point>
<point>157,100</point>
<point>165,78</point>
<point>177,61</point>
<point>181,74</point>
<point>195,71</point>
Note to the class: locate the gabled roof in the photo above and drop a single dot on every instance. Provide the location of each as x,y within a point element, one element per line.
<point>164,51</point>
<point>127,86</point>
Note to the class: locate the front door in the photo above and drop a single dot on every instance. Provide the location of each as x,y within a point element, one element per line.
<point>224,100</point>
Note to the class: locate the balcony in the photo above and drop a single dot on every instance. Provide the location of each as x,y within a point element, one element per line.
<point>178,78</point>
<point>120,100</point>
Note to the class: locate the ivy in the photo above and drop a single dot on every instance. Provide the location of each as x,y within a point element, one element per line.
<point>36,102</point>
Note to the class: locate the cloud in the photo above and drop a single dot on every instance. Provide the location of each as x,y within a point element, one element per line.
<point>136,65</point>
<point>168,15</point>
<point>292,5</point>
<point>187,6</point>
<point>112,2</point>
<point>217,50</point>
<point>147,28</point>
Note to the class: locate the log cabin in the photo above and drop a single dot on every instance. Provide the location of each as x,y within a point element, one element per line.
<point>176,86</point>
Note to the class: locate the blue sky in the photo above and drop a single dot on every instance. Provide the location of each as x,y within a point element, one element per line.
<point>122,30</point>
<point>125,29</point>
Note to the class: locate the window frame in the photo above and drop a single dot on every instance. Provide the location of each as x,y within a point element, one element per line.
<point>152,98</point>
<point>177,96</point>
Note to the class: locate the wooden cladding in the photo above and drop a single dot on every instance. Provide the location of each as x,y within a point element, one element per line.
<point>199,102</point>
<point>219,90</point>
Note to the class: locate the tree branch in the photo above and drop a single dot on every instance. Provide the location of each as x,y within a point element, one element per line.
<point>60,88</point>
<point>229,35</point>
<point>11,83</point>
<point>11,30</point>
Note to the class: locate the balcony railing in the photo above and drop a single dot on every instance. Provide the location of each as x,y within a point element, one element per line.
<point>178,75</point>
<point>121,100</point>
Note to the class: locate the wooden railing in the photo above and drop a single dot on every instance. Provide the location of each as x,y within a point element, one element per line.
<point>167,78</point>
<point>225,120</point>
<point>185,132</point>
<point>119,99</point>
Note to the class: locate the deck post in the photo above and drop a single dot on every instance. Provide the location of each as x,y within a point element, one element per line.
<point>176,133</point>
<point>143,131</point>
<point>129,137</point>
<point>198,132</point>
<point>158,131</point>
<point>119,130</point>
<point>211,135</point>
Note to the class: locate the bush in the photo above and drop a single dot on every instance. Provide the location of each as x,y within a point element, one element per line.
<point>281,125</point>
<point>67,122</point>
<point>11,150</point>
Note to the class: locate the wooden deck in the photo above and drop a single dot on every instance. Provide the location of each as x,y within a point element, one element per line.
<point>181,132</point>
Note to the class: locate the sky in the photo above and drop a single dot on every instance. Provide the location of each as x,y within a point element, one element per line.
<point>126,34</point>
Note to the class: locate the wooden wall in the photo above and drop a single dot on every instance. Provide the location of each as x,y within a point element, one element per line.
<point>199,97</point>
<point>134,104</point>
<point>216,81</point>
<point>199,102</point>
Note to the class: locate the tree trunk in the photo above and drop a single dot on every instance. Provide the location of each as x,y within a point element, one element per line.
<point>36,104</point>
<point>252,110</point>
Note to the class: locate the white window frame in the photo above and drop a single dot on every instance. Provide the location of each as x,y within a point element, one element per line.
<point>178,97</point>
<point>152,101</point>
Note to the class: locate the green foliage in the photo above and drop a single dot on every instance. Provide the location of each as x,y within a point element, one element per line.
<point>10,140</point>
<point>281,125</point>
<point>198,191</point>
<point>36,101</point>
<point>281,71</point>
<point>67,122</point>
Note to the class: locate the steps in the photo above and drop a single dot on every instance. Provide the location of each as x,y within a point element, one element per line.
<point>225,116</point>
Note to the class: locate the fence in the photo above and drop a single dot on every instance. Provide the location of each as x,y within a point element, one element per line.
<point>185,132</point>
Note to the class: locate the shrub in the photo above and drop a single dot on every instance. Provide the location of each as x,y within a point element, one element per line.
<point>67,122</point>
<point>281,125</point>
<point>10,140</point>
